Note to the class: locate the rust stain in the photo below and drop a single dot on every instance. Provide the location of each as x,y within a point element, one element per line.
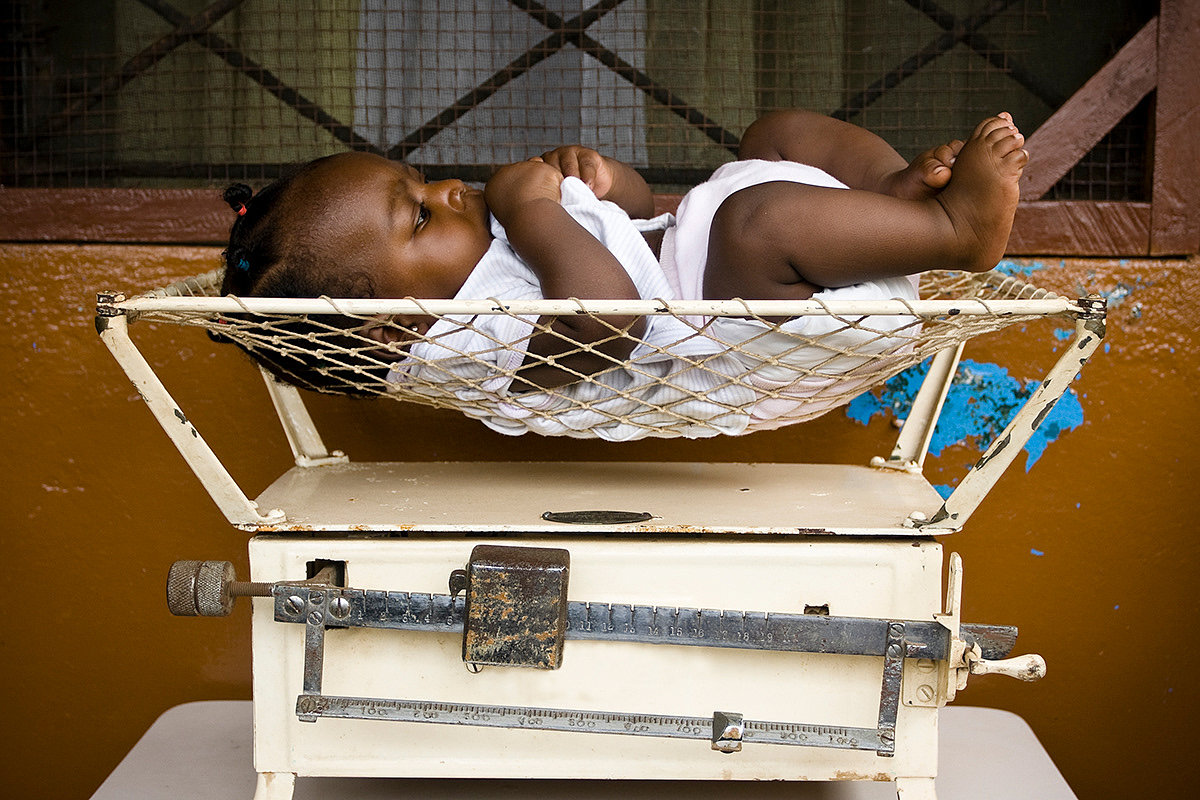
<point>850,775</point>
<point>516,606</point>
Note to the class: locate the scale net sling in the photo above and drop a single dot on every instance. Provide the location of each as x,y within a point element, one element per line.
<point>728,367</point>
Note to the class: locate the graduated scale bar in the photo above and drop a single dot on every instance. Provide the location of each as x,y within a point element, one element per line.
<point>751,630</point>
<point>309,707</point>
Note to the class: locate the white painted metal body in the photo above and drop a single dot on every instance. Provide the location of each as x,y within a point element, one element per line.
<point>887,579</point>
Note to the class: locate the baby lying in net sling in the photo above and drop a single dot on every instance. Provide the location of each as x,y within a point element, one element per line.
<point>813,208</point>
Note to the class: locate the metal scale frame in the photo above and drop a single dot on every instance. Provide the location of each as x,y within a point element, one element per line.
<point>601,620</point>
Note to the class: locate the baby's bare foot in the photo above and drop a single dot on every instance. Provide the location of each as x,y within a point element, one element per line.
<point>981,195</point>
<point>926,175</point>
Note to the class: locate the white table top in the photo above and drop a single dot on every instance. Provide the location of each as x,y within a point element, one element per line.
<point>203,751</point>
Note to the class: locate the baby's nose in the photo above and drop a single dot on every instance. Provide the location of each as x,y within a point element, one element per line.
<point>452,192</point>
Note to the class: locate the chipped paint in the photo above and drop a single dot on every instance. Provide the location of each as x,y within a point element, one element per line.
<point>982,400</point>
<point>1020,269</point>
<point>852,775</point>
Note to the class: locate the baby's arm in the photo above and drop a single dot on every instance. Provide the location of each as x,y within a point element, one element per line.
<point>608,178</point>
<point>569,262</point>
<point>853,155</point>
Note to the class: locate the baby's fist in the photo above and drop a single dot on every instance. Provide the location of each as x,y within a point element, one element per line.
<point>584,163</point>
<point>521,183</point>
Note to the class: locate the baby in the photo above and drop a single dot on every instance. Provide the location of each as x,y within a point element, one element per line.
<point>813,204</point>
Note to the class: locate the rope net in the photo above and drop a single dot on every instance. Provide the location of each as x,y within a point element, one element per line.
<point>717,374</point>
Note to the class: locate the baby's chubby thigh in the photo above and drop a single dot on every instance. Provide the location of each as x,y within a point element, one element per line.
<point>756,234</point>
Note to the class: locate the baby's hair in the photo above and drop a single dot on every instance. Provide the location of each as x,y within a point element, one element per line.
<point>265,258</point>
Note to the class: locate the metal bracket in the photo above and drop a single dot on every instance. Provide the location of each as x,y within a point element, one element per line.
<point>889,693</point>
<point>220,485</point>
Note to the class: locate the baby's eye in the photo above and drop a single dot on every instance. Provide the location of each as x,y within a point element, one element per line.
<point>422,216</point>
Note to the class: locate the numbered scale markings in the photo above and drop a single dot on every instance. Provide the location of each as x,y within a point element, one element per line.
<point>310,707</point>
<point>753,630</point>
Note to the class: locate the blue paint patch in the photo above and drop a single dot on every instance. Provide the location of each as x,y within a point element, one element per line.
<point>1033,551</point>
<point>982,400</point>
<point>1116,295</point>
<point>1019,268</point>
<point>1117,607</point>
<point>1062,334</point>
<point>944,489</point>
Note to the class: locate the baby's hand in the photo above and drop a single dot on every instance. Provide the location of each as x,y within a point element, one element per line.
<point>584,163</point>
<point>521,183</point>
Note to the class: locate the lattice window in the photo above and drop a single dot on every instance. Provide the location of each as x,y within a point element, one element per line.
<point>194,92</point>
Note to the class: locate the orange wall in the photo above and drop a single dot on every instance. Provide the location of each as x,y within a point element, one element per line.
<point>97,505</point>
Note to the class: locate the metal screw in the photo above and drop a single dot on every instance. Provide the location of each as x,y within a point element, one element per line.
<point>893,651</point>
<point>316,598</point>
<point>316,617</point>
<point>925,692</point>
<point>887,735</point>
<point>340,608</point>
<point>294,604</point>
<point>926,665</point>
<point>896,628</point>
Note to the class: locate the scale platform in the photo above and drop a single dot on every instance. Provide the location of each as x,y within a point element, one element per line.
<point>679,498</point>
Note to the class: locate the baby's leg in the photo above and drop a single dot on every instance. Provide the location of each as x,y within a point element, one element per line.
<point>786,240</point>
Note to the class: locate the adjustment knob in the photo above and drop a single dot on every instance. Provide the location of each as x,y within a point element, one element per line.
<point>200,588</point>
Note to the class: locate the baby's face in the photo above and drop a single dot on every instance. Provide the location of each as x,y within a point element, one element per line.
<point>414,238</point>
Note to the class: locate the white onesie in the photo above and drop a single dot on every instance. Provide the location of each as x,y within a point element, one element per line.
<point>473,357</point>
<point>790,389</point>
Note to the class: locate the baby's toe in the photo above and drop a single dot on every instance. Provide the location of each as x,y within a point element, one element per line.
<point>935,172</point>
<point>1004,141</point>
<point>993,125</point>
<point>1017,159</point>
<point>946,153</point>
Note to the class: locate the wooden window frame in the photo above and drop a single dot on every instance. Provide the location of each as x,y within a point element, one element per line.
<point>1159,58</point>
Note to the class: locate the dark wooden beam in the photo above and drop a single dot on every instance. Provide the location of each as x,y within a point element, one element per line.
<point>1081,228</point>
<point>1093,111</point>
<point>1175,214</point>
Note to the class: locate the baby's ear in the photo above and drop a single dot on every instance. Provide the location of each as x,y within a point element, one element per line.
<point>384,332</point>
<point>400,328</point>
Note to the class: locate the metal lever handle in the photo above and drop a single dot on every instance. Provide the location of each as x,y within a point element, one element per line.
<point>1031,667</point>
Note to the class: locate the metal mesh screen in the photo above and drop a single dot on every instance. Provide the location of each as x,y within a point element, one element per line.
<point>196,92</point>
